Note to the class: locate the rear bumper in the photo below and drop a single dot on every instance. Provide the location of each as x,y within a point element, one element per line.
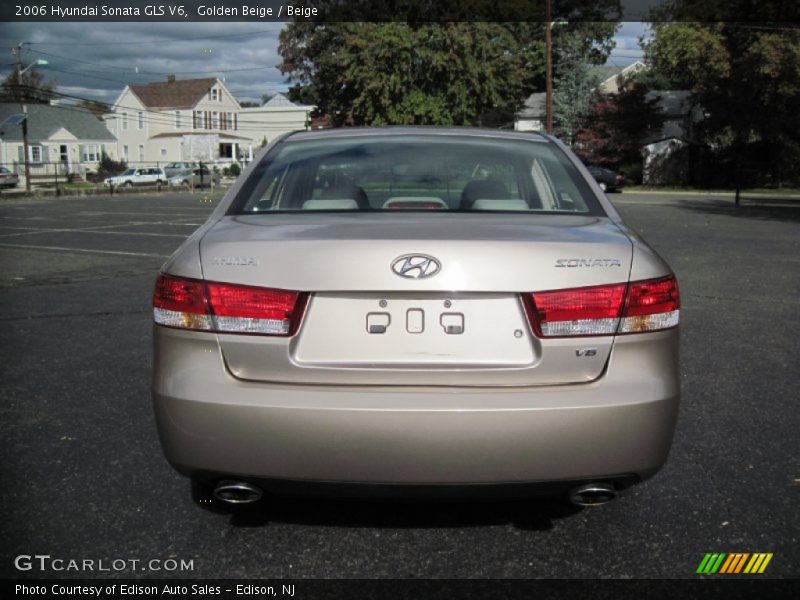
<point>212,423</point>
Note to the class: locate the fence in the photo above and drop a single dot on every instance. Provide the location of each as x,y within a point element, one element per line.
<point>57,174</point>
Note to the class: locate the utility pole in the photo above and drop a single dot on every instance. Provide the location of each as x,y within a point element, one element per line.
<point>17,51</point>
<point>548,42</point>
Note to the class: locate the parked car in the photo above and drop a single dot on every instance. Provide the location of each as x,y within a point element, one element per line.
<point>176,168</point>
<point>197,177</point>
<point>8,178</point>
<point>132,177</point>
<point>608,180</point>
<point>489,319</point>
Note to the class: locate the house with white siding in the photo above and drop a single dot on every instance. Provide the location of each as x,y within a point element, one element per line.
<point>275,117</point>
<point>62,141</point>
<point>194,120</point>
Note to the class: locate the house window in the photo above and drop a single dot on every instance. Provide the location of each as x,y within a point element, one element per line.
<point>35,154</point>
<point>90,153</point>
<point>141,120</point>
<point>215,120</point>
<point>177,119</point>
<point>163,152</point>
<point>124,121</point>
<point>215,94</point>
<point>141,153</point>
<point>125,152</point>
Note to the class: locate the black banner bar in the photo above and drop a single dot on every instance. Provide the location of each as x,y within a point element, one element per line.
<point>773,11</point>
<point>402,589</point>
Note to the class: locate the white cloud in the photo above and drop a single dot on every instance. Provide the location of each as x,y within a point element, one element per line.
<point>97,60</point>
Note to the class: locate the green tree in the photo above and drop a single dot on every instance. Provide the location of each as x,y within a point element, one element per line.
<point>108,166</point>
<point>436,73</point>
<point>396,73</point>
<point>97,108</point>
<point>574,87</point>
<point>33,89</point>
<point>746,77</point>
<point>615,128</point>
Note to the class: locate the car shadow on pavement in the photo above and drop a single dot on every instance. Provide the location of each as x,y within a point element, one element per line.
<point>536,514</point>
<point>775,209</point>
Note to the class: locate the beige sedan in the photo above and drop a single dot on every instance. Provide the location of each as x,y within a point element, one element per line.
<point>415,310</point>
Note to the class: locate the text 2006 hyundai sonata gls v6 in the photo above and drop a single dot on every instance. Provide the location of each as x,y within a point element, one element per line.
<point>425,308</point>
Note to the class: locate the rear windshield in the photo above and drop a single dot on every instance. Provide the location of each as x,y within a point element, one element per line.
<point>417,173</point>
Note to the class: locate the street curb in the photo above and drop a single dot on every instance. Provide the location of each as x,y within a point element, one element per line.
<point>731,194</point>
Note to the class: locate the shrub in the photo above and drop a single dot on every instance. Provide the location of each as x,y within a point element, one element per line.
<point>108,167</point>
<point>232,170</point>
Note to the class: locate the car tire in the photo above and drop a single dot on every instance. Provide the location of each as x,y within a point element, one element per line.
<point>603,186</point>
<point>128,184</point>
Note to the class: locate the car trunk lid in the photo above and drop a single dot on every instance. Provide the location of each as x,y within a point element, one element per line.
<point>464,325</point>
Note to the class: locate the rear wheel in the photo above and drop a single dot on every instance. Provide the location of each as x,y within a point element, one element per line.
<point>603,186</point>
<point>129,184</point>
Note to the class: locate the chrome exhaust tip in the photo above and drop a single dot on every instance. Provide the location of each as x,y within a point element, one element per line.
<point>592,494</point>
<point>237,492</point>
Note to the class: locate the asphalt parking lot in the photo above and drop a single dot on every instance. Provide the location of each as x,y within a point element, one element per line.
<point>83,475</point>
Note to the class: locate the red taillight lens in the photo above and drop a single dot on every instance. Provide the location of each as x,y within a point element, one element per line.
<point>226,308</point>
<point>579,311</point>
<point>183,295</point>
<point>651,305</point>
<point>246,309</point>
<point>605,310</point>
<point>181,303</point>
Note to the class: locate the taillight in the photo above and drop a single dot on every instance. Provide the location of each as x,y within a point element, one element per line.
<point>605,309</point>
<point>181,303</point>
<point>651,305</point>
<point>579,311</point>
<point>246,309</point>
<point>226,308</point>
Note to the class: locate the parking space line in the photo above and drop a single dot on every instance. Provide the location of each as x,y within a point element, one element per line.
<point>97,228</point>
<point>88,250</point>
<point>134,233</point>
<point>97,213</point>
<point>141,233</point>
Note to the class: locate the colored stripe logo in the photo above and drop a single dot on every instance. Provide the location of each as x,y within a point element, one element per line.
<point>734,563</point>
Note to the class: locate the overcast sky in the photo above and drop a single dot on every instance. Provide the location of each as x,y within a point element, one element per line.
<point>96,60</point>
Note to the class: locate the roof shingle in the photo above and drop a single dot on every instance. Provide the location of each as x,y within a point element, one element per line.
<point>44,120</point>
<point>180,93</point>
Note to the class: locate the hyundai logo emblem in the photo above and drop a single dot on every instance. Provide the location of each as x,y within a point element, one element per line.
<point>416,266</point>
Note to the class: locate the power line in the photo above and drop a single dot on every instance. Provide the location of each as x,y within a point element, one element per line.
<point>140,72</point>
<point>161,41</point>
<point>124,82</point>
<point>83,74</point>
<point>155,117</point>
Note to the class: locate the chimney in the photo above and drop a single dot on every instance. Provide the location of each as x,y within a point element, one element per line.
<point>171,78</point>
